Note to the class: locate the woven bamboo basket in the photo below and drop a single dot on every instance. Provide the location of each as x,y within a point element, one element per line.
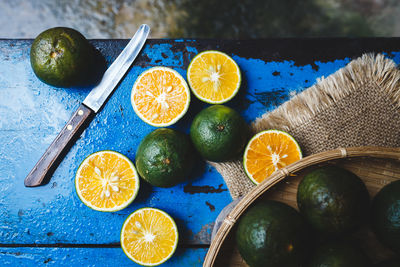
<point>376,166</point>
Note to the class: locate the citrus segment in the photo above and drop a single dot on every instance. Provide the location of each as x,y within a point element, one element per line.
<point>149,236</point>
<point>160,96</point>
<point>107,181</point>
<point>269,151</point>
<point>214,77</point>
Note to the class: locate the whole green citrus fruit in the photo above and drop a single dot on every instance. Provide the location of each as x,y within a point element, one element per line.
<point>219,133</point>
<point>385,215</point>
<point>272,234</point>
<point>61,57</point>
<point>333,200</point>
<point>165,157</point>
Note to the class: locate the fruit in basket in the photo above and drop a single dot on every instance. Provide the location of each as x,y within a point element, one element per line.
<point>214,77</point>
<point>149,236</point>
<point>107,181</point>
<point>267,152</point>
<point>165,157</point>
<point>61,57</point>
<point>333,200</point>
<point>160,96</point>
<point>338,254</point>
<point>272,234</point>
<point>219,133</point>
<point>385,215</point>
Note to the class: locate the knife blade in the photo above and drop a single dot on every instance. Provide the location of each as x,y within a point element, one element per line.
<point>47,164</point>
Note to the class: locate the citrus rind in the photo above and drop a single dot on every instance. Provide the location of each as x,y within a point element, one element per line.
<point>236,90</point>
<point>256,137</point>
<point>117,208</point>
<point>143,263</point>
<point>184,84</point>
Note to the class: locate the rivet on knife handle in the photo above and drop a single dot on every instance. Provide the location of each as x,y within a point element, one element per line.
<point>50,159</point>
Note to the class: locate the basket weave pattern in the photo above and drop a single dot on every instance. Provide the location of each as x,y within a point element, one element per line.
<point>376,166</point>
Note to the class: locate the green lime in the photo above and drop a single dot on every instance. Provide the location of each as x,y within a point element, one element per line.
<point>385,215</point>
<point>219,133</point>
<point>333,200</point>
<point>338,254</point>
<point>272,234</point>
<point>61,57</point>
<point>165,157</point>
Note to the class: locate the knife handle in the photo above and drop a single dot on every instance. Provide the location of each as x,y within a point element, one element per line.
<point>61,144</point>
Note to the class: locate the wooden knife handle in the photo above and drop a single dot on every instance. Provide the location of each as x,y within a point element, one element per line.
<point>47,164</point>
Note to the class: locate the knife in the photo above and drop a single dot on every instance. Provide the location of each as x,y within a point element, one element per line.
<point>86,111</point>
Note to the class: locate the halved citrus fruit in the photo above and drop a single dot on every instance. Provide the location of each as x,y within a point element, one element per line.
<point>269,151</point>
<point>214,77</point>
<point>149,236</point>
<point>160,96</point>
<point>107,181</point>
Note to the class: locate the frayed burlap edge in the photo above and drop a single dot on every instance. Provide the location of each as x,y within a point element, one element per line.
<point>305,105</point>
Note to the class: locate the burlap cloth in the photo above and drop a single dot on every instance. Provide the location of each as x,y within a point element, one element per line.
<point>356,106</point>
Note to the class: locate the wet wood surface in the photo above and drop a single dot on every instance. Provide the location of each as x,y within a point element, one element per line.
<point>49,224</point>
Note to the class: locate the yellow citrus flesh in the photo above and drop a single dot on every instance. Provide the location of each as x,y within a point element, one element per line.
<point>149,236</point>
<point>269,151</point>
<point>160,96</point>
<point>214,77</point>
<point>107,181</point>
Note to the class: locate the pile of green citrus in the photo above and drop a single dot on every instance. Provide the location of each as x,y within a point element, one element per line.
<point>333,203</point>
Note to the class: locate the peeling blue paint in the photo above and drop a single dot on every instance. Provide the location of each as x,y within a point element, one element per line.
<point>191,49</point>
<point>89,257</point>
<point>32,113</point>
<point>161,54</point>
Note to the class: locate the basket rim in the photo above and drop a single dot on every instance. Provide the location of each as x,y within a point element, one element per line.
<point>279,175</point>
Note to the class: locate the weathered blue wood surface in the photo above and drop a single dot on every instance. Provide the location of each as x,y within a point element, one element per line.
<point>32,113</point>
<point>86,257</point>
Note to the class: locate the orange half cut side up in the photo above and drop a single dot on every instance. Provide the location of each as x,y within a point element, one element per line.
<point>269,151</point>
<point>160,96</point>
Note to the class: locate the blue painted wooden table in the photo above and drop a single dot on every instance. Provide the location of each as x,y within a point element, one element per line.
<point>48,225</point>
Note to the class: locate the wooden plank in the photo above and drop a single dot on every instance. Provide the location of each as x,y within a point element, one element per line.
<point>53,213</point>
<point>32,113</point>
<point>27,256</point>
